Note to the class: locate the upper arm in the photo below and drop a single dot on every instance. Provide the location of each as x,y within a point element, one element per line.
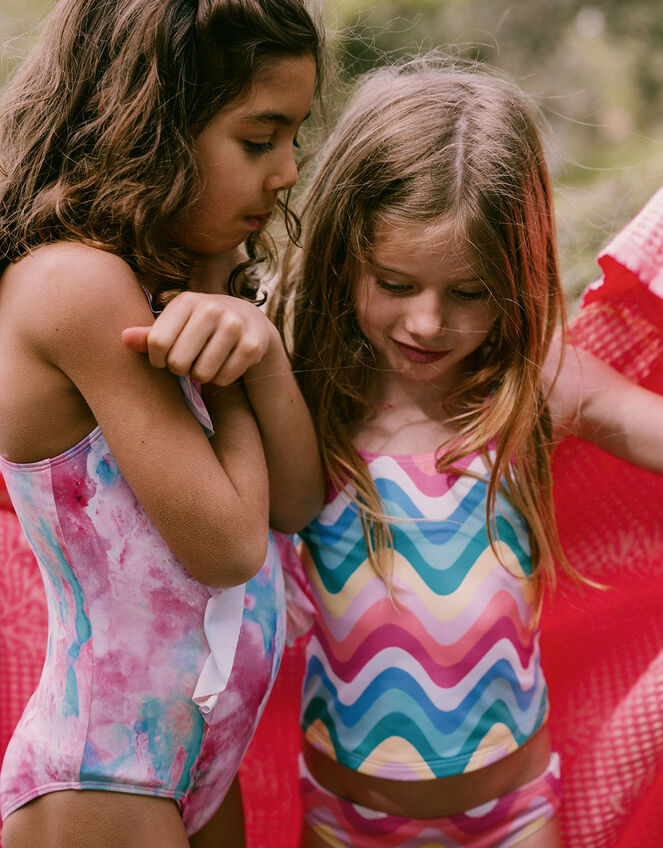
<point>564,383</point>
<point>157,443</point>
<point>595,402</point>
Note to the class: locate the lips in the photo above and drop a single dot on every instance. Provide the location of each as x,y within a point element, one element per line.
<point>257,221</point>
<point>421,355</point>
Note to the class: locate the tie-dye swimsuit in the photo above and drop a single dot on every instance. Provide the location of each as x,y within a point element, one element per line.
<point>449,679</point>
<point>114,709</point>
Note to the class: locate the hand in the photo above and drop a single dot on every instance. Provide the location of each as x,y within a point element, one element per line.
<point>214,338</point>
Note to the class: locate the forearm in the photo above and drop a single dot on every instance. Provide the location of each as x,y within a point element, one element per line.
<point>218,339</point>
<point>238,448</point>
<point>289,442</point>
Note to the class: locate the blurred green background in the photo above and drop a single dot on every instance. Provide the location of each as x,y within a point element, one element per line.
<point>596,71</point>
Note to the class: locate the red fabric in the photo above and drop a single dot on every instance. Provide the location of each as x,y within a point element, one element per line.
<point>603,650</point>
<point>268,775</point>
<point>23,622</point>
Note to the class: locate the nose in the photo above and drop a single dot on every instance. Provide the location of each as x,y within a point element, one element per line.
<point>284,174</point>
<point>424,318</point>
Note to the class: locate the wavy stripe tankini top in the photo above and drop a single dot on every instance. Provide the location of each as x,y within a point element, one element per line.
<point>114,707</point>
<point>448,679</point>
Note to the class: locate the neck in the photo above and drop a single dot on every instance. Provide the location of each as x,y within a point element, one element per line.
<point>210,274</point>
<point>409,418</point>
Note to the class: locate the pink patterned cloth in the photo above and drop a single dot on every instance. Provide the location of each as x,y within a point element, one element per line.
<point>603,650</point>
<point>114,708</point>
<point>500,823</point>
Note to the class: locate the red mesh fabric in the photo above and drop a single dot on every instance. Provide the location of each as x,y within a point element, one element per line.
<point>603,650</point>
<point>23,622</point>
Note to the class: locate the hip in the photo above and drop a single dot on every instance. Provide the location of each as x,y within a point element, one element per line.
<point>442,796</point>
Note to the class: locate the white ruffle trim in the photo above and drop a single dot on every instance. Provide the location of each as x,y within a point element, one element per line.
<point>223,621</point>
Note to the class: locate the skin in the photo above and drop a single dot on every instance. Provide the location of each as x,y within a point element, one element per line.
<point>246,154</point>
<point>417,291</point>
<point>592,401</point>
<point>62,312</point>
<point>247,157</point>
<point>424,312</point>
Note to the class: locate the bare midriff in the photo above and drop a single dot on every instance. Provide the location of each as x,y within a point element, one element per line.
<point>441,796</point>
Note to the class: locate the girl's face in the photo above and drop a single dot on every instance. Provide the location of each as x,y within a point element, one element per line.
<point>246,155</point>
<point>420,305</point>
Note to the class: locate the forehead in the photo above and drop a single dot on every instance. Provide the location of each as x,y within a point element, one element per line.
<point>436,240</point>
<point>281,92</point>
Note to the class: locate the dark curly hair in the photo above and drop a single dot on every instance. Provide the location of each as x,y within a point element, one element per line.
<point>98,125</point>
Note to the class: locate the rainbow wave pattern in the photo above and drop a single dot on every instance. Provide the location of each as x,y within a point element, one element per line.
<point>448,679</point>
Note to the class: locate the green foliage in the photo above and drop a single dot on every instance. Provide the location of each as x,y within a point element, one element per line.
<point>18,26</point>
<point>596,71</point>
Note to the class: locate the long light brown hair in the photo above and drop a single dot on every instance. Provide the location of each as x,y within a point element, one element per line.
<point>426,142</point>
<point>98,125</point>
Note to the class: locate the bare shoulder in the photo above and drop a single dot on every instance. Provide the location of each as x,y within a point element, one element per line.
<point>62,311</point>
<point>563,381</point>
<point>71,286</point>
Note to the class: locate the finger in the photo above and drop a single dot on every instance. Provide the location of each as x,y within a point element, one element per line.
<point>135,338</point>
<point>214,355</point>
<point>167,328</point>
<point>247,352</point>
<point>203,345</point>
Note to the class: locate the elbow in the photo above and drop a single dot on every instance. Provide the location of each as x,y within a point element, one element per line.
<point>297,514</point>
<point>291,521</point>
<point>242,564</point>
<point>232,561</point>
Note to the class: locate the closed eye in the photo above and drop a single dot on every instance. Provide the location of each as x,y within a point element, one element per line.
<point>258,148</point>
<point>468,296</point>
<point>393,288</point>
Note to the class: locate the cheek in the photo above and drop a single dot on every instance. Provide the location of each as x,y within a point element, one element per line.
<point>223,178</point>
<point>485,319</point>
<point>374,316</point>
<point>221,188</point>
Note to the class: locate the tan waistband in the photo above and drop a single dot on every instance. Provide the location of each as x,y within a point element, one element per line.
<point>441,796</point>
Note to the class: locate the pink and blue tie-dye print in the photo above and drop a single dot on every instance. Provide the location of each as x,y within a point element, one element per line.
<point>113,709</point>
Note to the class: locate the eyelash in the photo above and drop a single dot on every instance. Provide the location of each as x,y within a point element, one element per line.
<point>470,296</point>
<point>259,149</point>
<point>403,289</point>
<point>392,288</point>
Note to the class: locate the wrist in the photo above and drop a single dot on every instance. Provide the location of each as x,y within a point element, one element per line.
<point>274,357</point>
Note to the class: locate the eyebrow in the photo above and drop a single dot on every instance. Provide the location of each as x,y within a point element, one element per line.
<point>273,118</point>
<point>377,266</point>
